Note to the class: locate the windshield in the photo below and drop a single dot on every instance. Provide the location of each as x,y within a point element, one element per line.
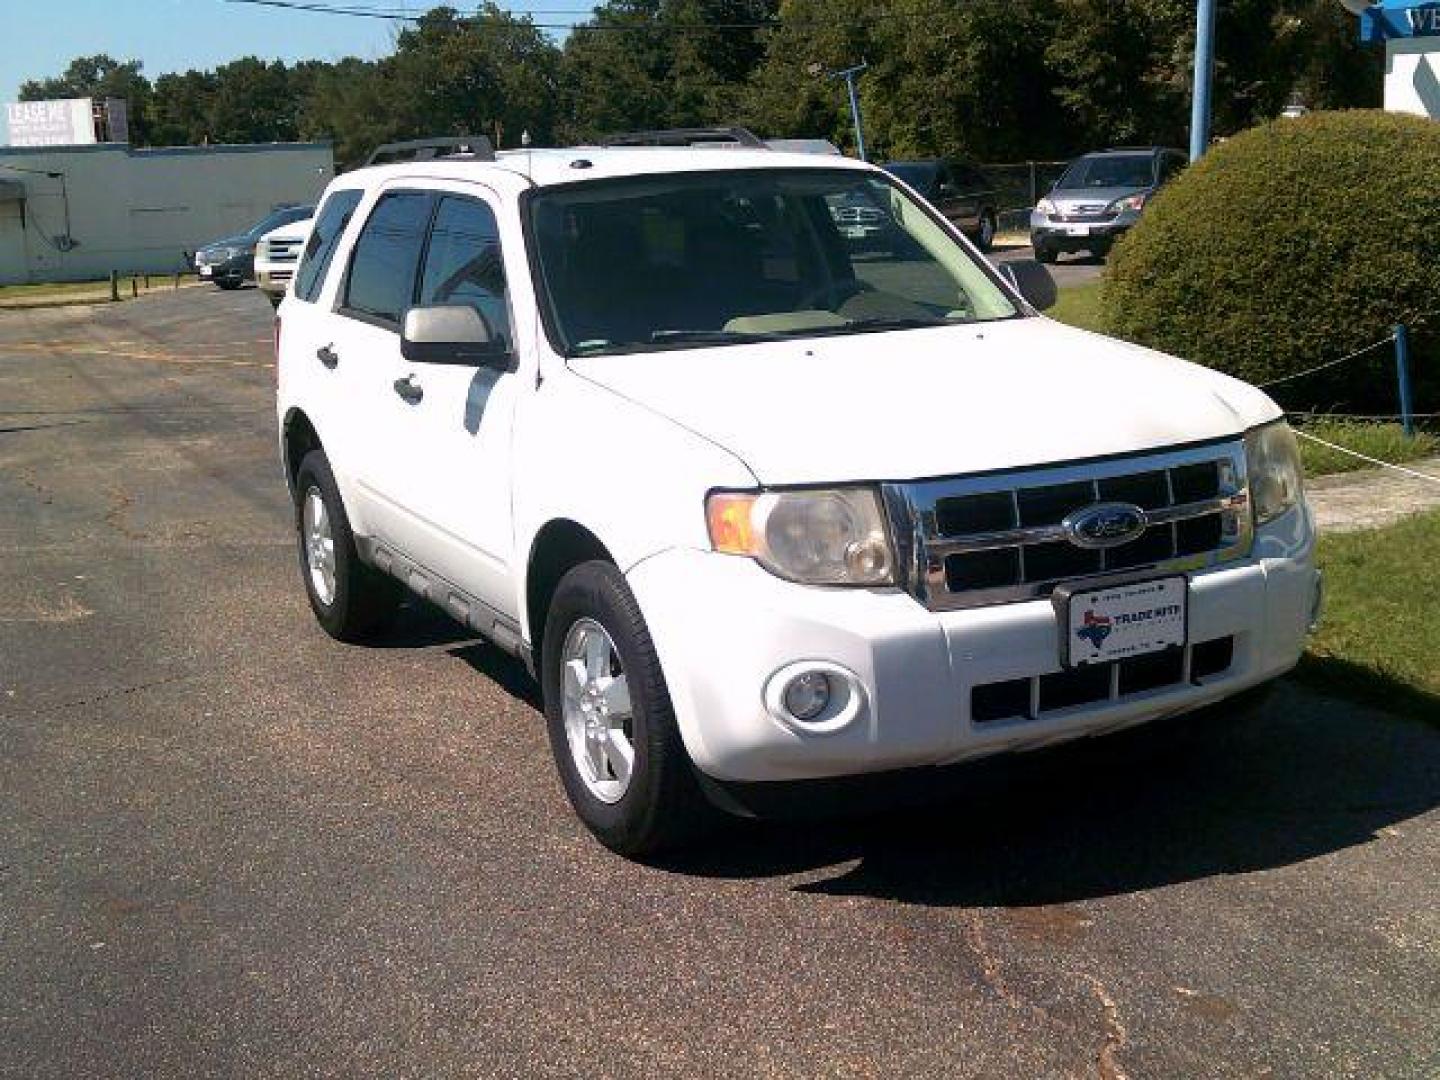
<point>1111,170</point>
<point>280,217</point>
<point>713,258</point>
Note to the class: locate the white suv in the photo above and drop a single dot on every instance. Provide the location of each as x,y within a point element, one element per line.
<point>755,504</point>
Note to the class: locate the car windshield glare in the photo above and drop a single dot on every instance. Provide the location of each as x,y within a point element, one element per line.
<point>1110,170</point>
<point>729,257</point>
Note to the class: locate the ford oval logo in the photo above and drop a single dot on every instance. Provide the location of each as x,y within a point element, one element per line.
<point>1105,525</point>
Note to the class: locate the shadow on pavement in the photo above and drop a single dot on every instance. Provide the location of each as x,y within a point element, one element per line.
<point>1305,777</point>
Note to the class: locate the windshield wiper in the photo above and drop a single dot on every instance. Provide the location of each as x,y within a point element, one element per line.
<point>719,336</point>
<point>883,322</point>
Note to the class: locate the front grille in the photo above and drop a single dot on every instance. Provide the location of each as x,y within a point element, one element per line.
<point>281,251</point>
<point>972,541</point>
<point>1081,219</point>
<point>1032,698</point>
<point>1085,212</point>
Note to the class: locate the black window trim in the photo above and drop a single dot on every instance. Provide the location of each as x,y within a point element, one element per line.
<point>378,321</point>
<point>326,271</point>
<point>441,194</point>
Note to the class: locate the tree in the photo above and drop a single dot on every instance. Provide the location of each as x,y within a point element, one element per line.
<point>100,76</point>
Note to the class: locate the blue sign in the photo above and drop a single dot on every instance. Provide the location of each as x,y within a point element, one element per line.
<point>1393,19</point>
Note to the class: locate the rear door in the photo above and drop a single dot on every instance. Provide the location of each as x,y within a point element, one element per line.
<point>965,196</point>
<point>377,288</point>
<point>307,331</point>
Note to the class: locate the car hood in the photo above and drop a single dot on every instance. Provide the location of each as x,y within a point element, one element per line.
<point>230,241</point>
<point>932,402</point>
<point>1091,198</point>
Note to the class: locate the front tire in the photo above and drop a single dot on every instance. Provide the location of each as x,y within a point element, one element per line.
<point>985,239</point>
<point>612,728</point>
<point>350,600</point>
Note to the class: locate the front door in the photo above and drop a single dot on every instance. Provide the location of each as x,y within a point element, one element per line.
<point>457,460</point>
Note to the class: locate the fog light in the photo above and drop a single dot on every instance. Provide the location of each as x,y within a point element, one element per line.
<point>807,694</point>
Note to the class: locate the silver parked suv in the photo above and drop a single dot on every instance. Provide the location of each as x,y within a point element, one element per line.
<point>1097,198</point>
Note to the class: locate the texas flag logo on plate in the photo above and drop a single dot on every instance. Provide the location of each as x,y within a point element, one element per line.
<point>1095,630</point>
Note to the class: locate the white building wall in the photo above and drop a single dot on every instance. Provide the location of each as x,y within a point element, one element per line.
<point>1412,76</point>
<point>143,210</point>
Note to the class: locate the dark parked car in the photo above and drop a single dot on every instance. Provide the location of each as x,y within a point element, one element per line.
<point>231,262</point>
<point>1098,197</point>
<point>964,194</point>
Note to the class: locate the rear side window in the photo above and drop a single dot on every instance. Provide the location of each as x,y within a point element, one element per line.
<point>463,264</point>
<point>320,248</point>
<point>387,253</point>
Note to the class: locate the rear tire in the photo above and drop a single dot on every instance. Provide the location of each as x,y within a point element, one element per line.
<point>350,600</point>
<point>228,286</point>
<point>612,728</point>
<point>1046,255</point>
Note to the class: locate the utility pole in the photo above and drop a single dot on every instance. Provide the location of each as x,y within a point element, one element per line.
<point>1204,77</point>
<point>849,75</point>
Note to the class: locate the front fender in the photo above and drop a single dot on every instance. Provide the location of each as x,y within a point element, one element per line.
<point>634,479</point>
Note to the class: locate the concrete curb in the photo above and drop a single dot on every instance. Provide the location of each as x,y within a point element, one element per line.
<point>89,299</point>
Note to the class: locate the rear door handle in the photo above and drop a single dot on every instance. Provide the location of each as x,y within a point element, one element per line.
<point>327,356</point>
<point>409,389</point>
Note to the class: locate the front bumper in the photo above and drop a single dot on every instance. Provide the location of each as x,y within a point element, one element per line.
<point>723,627</point>
<point>1079,236</point>
<point>275,280</point>
<point>239,269</point>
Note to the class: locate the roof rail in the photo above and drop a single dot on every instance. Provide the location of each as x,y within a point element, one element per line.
<point>476,147</point>
<point>697,136</point>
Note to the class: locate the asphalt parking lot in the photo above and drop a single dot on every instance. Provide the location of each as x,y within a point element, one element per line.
<point>231,846</point>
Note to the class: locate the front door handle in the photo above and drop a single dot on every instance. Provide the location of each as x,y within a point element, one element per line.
<point>409,389</point>
<point>327,356</point>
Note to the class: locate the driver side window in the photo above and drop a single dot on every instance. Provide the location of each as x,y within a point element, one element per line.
<point>463,264</point>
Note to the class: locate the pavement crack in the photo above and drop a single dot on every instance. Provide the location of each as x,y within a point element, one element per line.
<point>115,692</point>
<point>989,966</point>
<point>1115,1036</point>
<point>120,503</point>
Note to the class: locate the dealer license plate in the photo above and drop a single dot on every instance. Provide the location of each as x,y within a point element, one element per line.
<point>854,232</point>
<point>1077,230</point>
<point>1117,621</point>
<point>204,271</point>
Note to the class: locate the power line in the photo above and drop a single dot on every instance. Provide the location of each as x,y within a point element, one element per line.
<point>396,15</point>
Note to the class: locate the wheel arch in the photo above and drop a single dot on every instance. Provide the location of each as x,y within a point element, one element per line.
<point>298,437</point>
<point>560,545</point>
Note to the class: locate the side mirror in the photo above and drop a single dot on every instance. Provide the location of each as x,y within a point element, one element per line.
<point>1032,281</point>
<point>450,334</point>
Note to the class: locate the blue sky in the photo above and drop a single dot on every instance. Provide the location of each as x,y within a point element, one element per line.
<point>42,36</point>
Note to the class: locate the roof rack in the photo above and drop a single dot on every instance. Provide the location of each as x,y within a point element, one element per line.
<point>475,147</point>
<point>697,136</point>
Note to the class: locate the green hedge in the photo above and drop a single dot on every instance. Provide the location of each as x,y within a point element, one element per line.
<point>1290,245</point>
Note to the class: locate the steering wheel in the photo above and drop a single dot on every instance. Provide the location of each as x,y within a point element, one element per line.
<point>835,292</point>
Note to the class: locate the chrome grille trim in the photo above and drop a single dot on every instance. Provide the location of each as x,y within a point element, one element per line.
<point>1042,534</point>
<point>922,549</point>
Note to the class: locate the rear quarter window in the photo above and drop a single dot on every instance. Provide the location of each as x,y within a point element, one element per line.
<point>330,223</point>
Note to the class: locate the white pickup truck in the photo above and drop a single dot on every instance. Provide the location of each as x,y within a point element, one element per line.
<point>754,503</point>
<point>277,254</point>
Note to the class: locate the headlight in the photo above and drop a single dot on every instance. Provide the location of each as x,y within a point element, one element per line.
<point>1130,202</point>
<point>825,537</point>
<point>1272,459</point>
<point>1046,207</point>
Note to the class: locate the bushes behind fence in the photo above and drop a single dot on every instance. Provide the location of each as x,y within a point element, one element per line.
<point>1289,245</point>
